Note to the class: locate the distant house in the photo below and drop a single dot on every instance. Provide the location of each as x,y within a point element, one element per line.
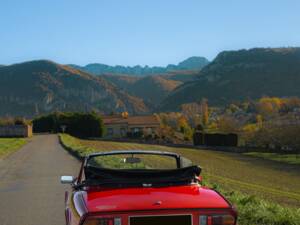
<point>120,126</point>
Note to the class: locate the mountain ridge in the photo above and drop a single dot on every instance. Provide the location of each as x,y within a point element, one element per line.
<point>240,75</point>
<point>192,63</point>
<point>43,86</point>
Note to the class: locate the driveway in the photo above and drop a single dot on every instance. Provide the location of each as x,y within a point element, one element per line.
<point>30,189</point>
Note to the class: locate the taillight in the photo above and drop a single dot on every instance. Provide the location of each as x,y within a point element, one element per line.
<point>216,220</point>
<point>103,221</point>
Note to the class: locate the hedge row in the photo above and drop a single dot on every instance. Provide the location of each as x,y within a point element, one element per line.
<point>76,124</point>
<point>215,139</point>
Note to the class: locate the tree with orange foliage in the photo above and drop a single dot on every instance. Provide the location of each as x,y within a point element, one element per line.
<point>269,107</point>
<point>259,120</point>
<point>125,114</point>
<point>192,112</point>
<point>182,123</point>
<point>205,114</point>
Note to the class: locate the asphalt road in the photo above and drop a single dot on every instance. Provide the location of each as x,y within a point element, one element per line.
<point>30,189</point>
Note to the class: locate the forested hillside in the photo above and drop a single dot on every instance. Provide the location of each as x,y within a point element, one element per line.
<point>239,75</point>
<point>35,87</point>
<point>43,86</point>
<point>152,89</point>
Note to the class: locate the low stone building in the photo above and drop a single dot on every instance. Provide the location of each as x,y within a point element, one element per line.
<point>120,126</point>
<point>16,131</point>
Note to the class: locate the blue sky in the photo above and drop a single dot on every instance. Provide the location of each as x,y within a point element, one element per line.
<point>152,32</point>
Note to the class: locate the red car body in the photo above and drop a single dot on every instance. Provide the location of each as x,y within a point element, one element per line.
<point>115,206</point>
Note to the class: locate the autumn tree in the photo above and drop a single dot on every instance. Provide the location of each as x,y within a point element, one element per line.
<point>269,107</point>
<point>192,112</point>
<point>278,138</point>
<point>233,108</point>
<point>182,123</point>
<point>290,104</point>
<point>205,114</point>
<point>259,120</point>
<point>228,124</point>
<point>169,119</point>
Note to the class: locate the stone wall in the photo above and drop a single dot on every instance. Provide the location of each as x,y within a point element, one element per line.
<point>16,131</point>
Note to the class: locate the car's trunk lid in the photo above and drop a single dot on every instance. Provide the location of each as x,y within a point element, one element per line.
<point>134,199</point>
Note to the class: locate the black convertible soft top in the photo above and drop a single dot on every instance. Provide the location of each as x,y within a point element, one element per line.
<point>140,177</point>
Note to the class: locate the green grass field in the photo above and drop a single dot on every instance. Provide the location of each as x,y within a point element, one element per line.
<point>9,145</point>
<point>264,191</point>
<point>285,158</point>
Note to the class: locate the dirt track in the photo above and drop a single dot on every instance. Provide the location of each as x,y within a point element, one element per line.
<point>30,189</point>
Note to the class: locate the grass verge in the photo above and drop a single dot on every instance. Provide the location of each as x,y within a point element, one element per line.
<point>10,145</point>
<point>248,197</point>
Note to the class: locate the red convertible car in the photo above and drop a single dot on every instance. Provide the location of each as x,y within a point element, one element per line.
<point>143,188</point>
